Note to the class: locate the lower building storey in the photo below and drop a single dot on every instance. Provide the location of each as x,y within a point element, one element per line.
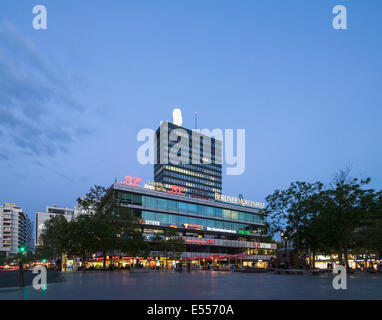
<point>215,232</point>
<point>193,260</point>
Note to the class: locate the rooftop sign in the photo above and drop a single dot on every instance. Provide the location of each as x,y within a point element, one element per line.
<point>240,201</point>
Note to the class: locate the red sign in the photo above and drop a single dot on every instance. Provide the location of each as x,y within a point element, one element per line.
<point>135,182</point>
<point>176,190</point>
<point>200,241</point>
<point>192,226</point>
<point>131,181</point>
<point>199,197</point>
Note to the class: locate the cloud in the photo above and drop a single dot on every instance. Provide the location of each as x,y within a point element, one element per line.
<point>38,113</point>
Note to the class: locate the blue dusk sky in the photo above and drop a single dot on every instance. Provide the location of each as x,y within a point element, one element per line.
<point>73,97</point>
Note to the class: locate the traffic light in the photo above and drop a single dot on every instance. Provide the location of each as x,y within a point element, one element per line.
<point>22,249</point>
<point>43,260</point>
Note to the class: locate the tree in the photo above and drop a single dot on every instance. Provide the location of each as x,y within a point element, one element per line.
<point>289,210</point>
<point>54,237</point>
<point>115,227</point>
<point>93,206</point>
<point>342,209</point>
<point>82,237</point>
<point>366,239</point>
<point>170,244</point>
<point>342,218</point>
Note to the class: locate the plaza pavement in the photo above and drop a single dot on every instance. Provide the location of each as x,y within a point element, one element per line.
<point>198,285</point>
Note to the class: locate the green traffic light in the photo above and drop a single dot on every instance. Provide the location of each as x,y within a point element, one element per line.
<point>22,249</point>
<point>43,260</point>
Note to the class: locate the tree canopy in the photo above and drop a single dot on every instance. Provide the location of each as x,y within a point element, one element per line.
<point>340,218</point>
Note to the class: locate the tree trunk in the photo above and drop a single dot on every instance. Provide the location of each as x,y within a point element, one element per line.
<point>340,260</point>
<point>346,259</point>
<point>297,251</point>
<point>83,262</point>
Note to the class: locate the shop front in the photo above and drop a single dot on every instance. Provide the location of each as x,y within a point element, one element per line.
<point>126,263</point>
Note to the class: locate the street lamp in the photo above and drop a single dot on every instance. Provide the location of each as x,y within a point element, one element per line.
<point>284,236</point>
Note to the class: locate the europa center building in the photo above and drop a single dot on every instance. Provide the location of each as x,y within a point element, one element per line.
<point>217,229</point>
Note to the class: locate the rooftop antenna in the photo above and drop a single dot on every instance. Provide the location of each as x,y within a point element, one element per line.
<point>196,120</point>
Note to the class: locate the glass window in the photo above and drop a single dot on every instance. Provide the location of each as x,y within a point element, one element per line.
<point>163,218</point>
<point>241,216</point>
<point>227,214</point>
<point>161,204</point>
<point>147,215</point>
<point>125,196</point>
<point>234,214</point>
<point>173,219</point>
<point>183,206</point>
<point>182,220</point>
<point>172,205</point>
<point>210,223</point>
<point>218,212</point>
<point>137,199</point>
<point>227,225</point>
<point>201,222</point>
<point>192,208</point>
<point>192,220</point>
<point>201,210</point>
<point>210,211</point>
<point>151,202</point>
<point>219,224</point>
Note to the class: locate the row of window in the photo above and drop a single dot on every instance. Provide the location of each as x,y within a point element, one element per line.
<point>191,185</point>
<point>185,207</point>
<point>205,179</point>
<point>214,169</point>
<point>165,219</point>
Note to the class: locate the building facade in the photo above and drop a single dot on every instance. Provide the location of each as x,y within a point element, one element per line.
<point>210,228</point>
<point>16,230</point>
<point>50,212</point>
<point>188,159</point>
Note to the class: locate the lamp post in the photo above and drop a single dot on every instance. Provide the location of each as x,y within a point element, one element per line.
<point>285,237</point>
<point>22,250</point>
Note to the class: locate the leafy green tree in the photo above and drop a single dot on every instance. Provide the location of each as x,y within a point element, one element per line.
<point>170,244</point>
<point>93,205</point>
<point>116,227</point>
<point>289,210</point>
<point>342,209</point>
<point>54,237</point>
<point>366,239</point>
<point>81,237</point>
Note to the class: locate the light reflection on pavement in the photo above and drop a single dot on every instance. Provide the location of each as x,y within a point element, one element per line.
<point>199,285</point>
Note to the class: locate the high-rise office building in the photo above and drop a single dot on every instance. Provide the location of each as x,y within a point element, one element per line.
<point>188,159</point>
<point>50,212</point>
<point>16,229</point>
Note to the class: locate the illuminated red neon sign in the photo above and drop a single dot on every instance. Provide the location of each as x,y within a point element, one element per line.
<point>131,181</point>
<point>136,182</point>
<point>176,190</point>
